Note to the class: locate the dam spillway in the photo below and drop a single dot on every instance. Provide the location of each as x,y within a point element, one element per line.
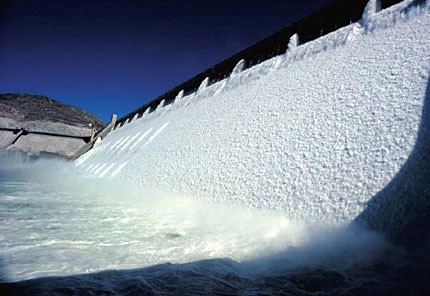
<point>335,130</point>
<point>314,133</point>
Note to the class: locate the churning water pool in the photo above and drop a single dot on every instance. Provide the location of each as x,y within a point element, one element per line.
<point>56,223</point>
<point>51,229</point>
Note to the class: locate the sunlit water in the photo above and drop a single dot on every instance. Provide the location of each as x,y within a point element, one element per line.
<point>50,229</point>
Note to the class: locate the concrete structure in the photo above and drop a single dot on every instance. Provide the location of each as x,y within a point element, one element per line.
<point>37,138</point>
<point>333,131</point>
<point>95,138</point>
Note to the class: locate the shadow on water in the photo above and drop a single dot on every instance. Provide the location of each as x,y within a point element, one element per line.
<point>401,210</point>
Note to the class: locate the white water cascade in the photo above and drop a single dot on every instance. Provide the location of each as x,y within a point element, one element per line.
<point>315,138</point>
<point>259,164</point>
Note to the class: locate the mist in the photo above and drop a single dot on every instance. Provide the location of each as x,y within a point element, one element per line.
<point>109,224</point>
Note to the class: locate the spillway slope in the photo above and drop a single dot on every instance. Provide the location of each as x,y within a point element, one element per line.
<point>315,133</point>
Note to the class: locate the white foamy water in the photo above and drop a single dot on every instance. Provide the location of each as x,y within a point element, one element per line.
<point>50,229</point>
<point>55,223</point>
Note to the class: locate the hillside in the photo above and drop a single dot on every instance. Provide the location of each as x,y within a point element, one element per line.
<point>27,107</point>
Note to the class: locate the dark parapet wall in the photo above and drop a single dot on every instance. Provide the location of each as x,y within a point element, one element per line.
<point>339,14</point>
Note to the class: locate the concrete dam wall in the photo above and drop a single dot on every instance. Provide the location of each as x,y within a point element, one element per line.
<point>36,137</point>
<point>334,129</point>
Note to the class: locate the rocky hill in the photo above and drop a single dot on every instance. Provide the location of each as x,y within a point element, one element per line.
<point>26,107</point>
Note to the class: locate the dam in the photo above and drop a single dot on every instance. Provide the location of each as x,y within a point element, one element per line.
<point>303,173</point>
<point>314,144</point>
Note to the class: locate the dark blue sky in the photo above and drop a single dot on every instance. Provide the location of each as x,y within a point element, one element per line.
<point>112,56</point>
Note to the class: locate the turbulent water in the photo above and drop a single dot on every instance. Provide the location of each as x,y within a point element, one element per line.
<point>53,230</point>
<point>51,226</point>
<point>58,224</point>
